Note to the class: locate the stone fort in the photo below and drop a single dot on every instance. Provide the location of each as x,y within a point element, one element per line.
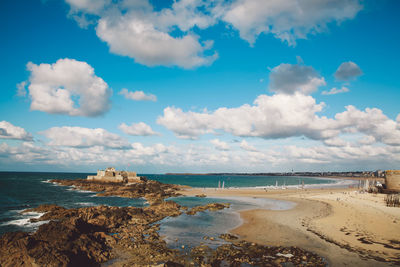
<point>112,175</point>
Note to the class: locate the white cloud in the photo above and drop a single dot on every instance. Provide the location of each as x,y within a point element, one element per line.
<point>138,129</point>
<point>137,37</point>
<point>21,89</point>
<point>187,14</point>
<point>10,131</point>
<point>282,116</point>
<point>200,158</point>
<point>371,122</point>
<point>88,6</point>
<point>348,71</point>
<point>84,137</point>
<point>335,91</point>
<point>367,140</point>
<point>276,116</point>
<point>220,145</point>
<point>165,37</point>
<point>287,20</point>
<point>54,88</point>
<point>137,95</point>
<point>186,125</point>
<point>288,79</point>
<point>335,141</point>
<point>246,146</point>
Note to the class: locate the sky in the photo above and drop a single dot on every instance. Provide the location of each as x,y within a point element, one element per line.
<point>199,85</point>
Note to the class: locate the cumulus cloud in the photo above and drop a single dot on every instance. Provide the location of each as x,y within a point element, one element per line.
<point>187,14</point>
<point>137,129</point>
<point>287,20</point>
<point>137,95</point>
<point>53,88</point>
<point>371,122</point>
<point>164,37</point>
<point>282,116</point>
<point>246,146</point>
<point>292,78</point>
<point>276,116</point>
<point>130,35</point>
<point>220,145</point>
<point>10,131</point>
<point>335,91</point>
<point>84,137</point>
<point>197,157</point>
<point>347,71</point>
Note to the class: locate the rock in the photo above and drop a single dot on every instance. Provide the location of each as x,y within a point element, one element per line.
<point>211,207</point>
<point>153,191</point>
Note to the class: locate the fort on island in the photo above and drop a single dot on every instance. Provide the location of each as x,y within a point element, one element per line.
<point>112,175</point>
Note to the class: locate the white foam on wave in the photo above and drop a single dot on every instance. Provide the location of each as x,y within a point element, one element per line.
<point>25,221</point>
<point>86,204</point>
<point>76,189</point>
<point>84,191</point>
<point>47,181</point>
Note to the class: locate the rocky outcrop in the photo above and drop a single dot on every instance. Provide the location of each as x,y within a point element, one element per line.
<point>243,253</point>
<point>153,191</point>
<point>211,207</point>
<point>87,236</point>
<point>129,236</point>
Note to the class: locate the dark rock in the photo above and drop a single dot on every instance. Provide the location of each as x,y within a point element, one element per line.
<point>211,207</point>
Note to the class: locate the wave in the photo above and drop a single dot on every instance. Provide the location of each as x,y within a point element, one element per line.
<point>84,191</point>
<point>88,204</point>
<point>25,221</point>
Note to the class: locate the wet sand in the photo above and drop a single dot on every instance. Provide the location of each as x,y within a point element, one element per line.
<point>345,227</point>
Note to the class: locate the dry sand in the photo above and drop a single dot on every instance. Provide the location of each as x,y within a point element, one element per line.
<point>346,227</point>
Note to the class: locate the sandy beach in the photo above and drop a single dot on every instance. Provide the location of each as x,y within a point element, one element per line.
<point>344,226</point>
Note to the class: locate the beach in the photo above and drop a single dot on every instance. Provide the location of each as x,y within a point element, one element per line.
<point>344,226</point>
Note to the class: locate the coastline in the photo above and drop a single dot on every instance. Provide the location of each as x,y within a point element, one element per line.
<point>340,224</point>
<point>127,235</point>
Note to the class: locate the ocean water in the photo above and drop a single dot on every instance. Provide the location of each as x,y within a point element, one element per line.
<point>23,190</point>
<point>20,191</point>
<point>238,180</point>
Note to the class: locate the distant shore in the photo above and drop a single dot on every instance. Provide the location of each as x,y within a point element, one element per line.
<point>346,227</point>
<point>344,175</point>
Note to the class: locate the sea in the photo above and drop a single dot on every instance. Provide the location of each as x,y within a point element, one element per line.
<point>23,190</point>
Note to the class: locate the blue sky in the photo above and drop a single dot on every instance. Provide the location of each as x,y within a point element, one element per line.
<point>238,85</point>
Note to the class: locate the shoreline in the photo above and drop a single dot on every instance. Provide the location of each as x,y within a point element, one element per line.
<point>340,224</point>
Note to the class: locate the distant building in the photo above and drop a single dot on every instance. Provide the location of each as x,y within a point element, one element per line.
<point>112,175</point>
